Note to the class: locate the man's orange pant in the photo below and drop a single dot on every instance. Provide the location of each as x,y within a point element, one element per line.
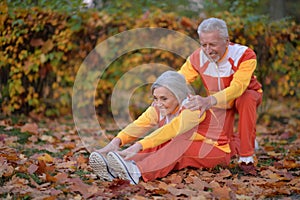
<point>246,105</point>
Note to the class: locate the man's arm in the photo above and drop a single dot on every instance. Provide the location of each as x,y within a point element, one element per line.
<point>188,71</point>
<point>239,83</point>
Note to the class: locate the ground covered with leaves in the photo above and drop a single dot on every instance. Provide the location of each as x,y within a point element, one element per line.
<point>46,159</point>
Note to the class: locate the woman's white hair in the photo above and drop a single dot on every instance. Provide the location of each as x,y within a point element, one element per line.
<point>174,82</point>
<point>213,24</point>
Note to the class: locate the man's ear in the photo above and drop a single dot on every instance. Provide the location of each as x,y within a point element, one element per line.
<point>227,42</point>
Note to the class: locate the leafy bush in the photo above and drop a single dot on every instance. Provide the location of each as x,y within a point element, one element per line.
<point>42,50</point>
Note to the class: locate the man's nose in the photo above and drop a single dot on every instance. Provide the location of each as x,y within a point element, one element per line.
<point>207,48</point>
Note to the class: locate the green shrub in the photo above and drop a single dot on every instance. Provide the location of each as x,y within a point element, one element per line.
<point>42,51</point>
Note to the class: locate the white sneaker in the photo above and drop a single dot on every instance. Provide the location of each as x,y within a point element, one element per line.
<point>100,166</point>
<point>125,169</point>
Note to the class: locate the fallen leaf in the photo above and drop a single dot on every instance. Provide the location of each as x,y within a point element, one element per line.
<point>69,145</point>
<point>47,138</point>
<point>32,168</point>
<point>62,178</point>
<point>46,158</point>
<point>30,128</point>
<point>178,192</point>
<point>221,192</point>
<point>223,174</point>
<point>290,164</point>
<point>42,167</point>
<point>163,185</point>
<point>175,179</point>
<point>50,178</point>
<point>198,184</point>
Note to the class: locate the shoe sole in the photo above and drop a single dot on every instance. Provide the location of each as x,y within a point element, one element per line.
<point>100,166</point>
<point>118,164</point>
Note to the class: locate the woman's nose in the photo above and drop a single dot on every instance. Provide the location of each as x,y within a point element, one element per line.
<point>158,103</point>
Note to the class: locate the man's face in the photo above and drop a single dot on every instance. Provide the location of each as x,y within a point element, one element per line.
<point>213,45</point>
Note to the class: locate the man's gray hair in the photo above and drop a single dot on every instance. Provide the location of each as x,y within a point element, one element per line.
<point>213,24</point>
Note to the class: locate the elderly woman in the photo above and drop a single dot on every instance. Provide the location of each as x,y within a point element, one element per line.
<point>173,145</point>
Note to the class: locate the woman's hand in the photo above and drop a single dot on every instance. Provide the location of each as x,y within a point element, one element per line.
<point>131,151</point>
<point>114,145</point>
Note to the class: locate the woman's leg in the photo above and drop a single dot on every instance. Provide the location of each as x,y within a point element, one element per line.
<point>177,154</point>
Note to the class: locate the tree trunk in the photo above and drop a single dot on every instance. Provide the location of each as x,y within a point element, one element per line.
<point>277,9</point>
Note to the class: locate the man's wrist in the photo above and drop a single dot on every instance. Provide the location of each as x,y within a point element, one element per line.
<point>213,100</point>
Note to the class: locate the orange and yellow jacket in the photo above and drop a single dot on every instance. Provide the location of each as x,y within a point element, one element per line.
<point>163,128</point>
<point>238,64</point>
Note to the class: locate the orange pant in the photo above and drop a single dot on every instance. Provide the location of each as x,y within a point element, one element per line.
<point>177,154</point>
<point>181,152</point>
<point>246,106</point>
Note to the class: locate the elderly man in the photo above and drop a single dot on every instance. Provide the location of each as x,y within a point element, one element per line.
<point>226,70</point>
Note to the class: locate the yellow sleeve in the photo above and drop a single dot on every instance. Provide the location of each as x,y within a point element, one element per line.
<point>239,83</point>
<point>188,71</point>
<point>138,128</point>
<point>184,122</point>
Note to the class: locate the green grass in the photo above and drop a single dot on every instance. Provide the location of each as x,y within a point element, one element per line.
<point>22,137</point>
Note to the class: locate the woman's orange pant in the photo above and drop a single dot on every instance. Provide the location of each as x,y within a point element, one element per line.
<point>176,154</point>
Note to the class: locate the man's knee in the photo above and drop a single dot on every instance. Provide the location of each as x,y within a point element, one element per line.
<point>248,98</point>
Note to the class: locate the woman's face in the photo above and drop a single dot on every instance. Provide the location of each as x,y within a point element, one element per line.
<point>213,45</point>
<point>165,100</point>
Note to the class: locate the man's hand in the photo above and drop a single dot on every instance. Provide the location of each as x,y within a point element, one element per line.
<point>131,151</point>
<point>197,102</point>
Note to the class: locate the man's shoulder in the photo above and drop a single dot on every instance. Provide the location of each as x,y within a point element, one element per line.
<point>196,52</point>
<point>238,50</point>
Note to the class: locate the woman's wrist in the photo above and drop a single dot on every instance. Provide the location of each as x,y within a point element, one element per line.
<point>139,146</point>
<point>116,141</point>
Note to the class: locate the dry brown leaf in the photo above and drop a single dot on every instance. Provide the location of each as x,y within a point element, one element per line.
<point>32,168</point>
<point>163,185</point>
<point>189,180</point>
<point>30,128</point>
<point>290,164</point>
<point>47,138</point>
<point>79,186</point>
<point>50,178</point>
<point>8,171</point>
<point>175,179</point>
<point>178,192</point>
<point>46,158</point>
<point>222,192</point>
<point>69,145</point>
<point>198,184</point>
<point>67,165</point>
<point>222,175</point>
<point>81,159</point>
<point>3,165</point>
<point>42,167</point>
<point>61,177</point>
<point>213,184</point>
